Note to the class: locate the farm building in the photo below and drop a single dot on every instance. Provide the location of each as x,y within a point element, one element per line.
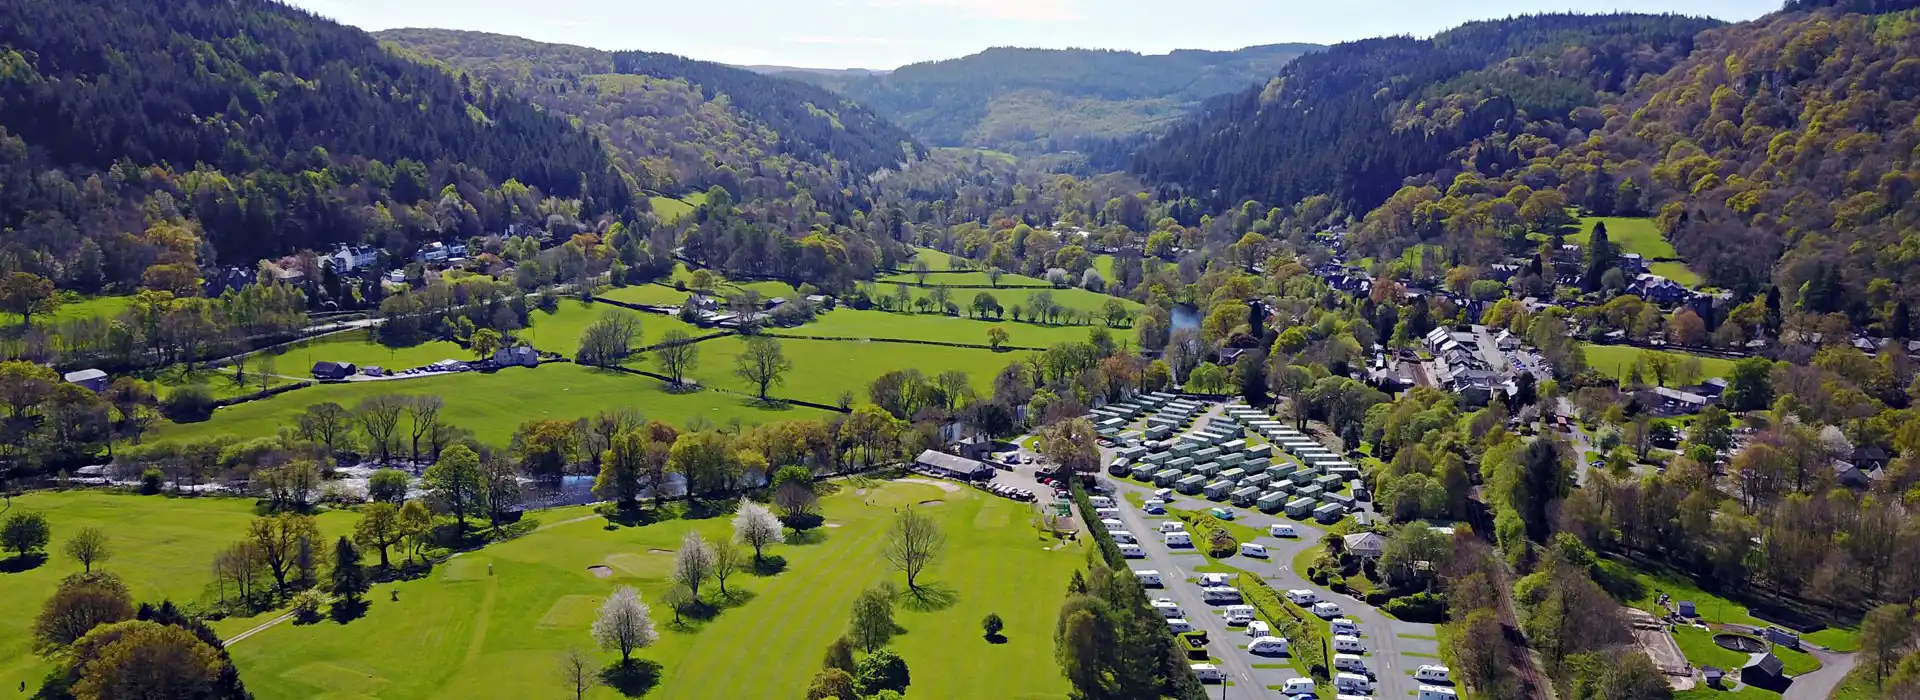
<point>333,370</point>
<point>90,379</point>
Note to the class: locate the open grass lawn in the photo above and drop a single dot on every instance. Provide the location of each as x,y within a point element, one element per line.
<point>493,405</point>
<point>1640,588</point>
<point>85,307</point>
<point>162,548</point>
<point>1072,297</point>
<point>1697,645</point>
<point>969,277</point>
<point>219,381</point>
<point>1639,235</point>
<point>822,369</point>
<point>670,209</point>
<point>1701,692</point>
<point>855,323</point>
<point>1858,685</point>
<point>936,260</point>
<point>1617,361</point>
<point>466,633</point>
<point>356,346</point>
<point>649,294</point>
<point>560,331</point>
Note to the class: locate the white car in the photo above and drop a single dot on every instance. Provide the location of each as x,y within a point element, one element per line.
<point>1302,596</point>
<point>1282,530</point>
<point>1207,580</point>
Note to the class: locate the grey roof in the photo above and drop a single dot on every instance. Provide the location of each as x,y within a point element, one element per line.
<point>1765,662</point>
<point>1366,543</point>
<point>951,463</point>
<point>84,375</point>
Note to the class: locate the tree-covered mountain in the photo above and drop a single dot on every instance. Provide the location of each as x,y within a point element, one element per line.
<point>143,141</point>
<point>1041,99</point>
<point>1351,122</point>
<point>678,125</point>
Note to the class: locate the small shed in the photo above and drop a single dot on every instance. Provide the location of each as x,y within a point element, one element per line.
<point>1686,608</point>
<point>90,379</point>
<point>1714,676</point>
<point>1763,670</point>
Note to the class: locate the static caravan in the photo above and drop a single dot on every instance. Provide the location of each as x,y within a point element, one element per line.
<point>1208,469</point>
<point>1300,507</point>
<point>1158,431</point>
<point>1329,513</point>
<point>1205,455</point>
<point>1153,457</point>
<point>1114,424</point>
<point>1166,477</point>
<point>1155,398</point>
<point>1190,484</point>
<point>1246,496</point>
<point>1301,478</point>
<point>1234,446</point>
<point>1282,471</point>
<point>1219,489</point>
<point>1341,466</point>
<point>1144,471</point>
<point>1232,459</point>
<point>1271,501</point>
<point>1185,447</point>
<point>1234,475</point>
<point>1329,482</point>
<point>1309,491</point>
<point>1163,421</point>
<point>1182,464</point>
<point>1260,451</point>
<point>1133,453</point>
<point>1360,492</point>
<point>1343,501</point>
<point>1258,481</point>
<point>1317,458</point>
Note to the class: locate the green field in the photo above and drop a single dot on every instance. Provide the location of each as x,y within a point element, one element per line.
<point>1645,588</point>
<point>1642,236</point>
<point>559,332</point>
<point>1617,361</point>
<point>822,369</point>
<point>936,260</point>
<point>1009,297</point>
<point>490,623</point>
<point>296,359</point>
<point>970,277</point>
<point>218,381</point>
<point>648,294</point>
<point>109,307</point>
<point>854,323</point>
<point>493,405</point>
<point>669,209</point>
<point>162,548</point>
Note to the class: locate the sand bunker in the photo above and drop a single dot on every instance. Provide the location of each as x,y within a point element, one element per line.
<point>833,524</point>
<point>601,571</point>
<point>659,551</point>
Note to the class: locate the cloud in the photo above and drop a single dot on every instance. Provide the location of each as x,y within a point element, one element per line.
<point>1020,10</point>
<point>882,41</point>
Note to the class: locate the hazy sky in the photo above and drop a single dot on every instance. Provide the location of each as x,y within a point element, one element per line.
<point>889,33</point>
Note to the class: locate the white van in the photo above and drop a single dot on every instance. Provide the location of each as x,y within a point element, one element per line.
<point>1112,525</point>
<point>1177,539</point>
<point>1282,530</point>
<point>1433,673</point>
<point>1297,686</point>
<point>1268,646</point>
<point>1101,502</point>
<point>1350,662</point>
<point>1148,577</point>
<point>1208,673</point>
<point>1352,682</point>
<point>1220,594</point>
<point>1434,692</point>
<point>1302,596</point>
<point>1253,550</point>
<point>1326,609</point>
<point>1349,644</point>
<point>1343,625</point>
<point>1257,628</point>
<point>1215,580</point>
<point>1173,526</point>
<point>1167,608</point>
<point>1179,625</point>
<point>1132,551</point>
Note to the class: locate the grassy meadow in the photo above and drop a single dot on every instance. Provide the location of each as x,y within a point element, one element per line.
<point>1639,235</point>
<point>1617,361</point>
<point>493,405</point>
<point>75,309</point>
<point>854,323</point>
<point>492,622</point>
<point>822,369</point>
<point>162,548</point>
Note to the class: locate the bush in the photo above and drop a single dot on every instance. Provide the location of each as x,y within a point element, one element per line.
<point>151,481</point>
<point>1376,598</point>
<point>1419,607</point>
<point>1288,621</point>
<point>187,404</point>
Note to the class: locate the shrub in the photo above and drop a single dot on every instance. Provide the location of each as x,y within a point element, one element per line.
<point>1376,598</point>
<point>992,625</point>
<point>189,403</point>
<point>1288,621</point>
<point>1419,607</point>
<point>306,605</point>
<point>151,481</point>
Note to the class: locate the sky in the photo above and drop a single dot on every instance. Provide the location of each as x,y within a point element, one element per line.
<point>890,33</point>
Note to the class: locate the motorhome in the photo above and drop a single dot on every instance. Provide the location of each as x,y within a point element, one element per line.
<point>1148,577</point>
<point>1101,502</point>
<point>1173,526</point>
<point>1281,530</point>
<point>1352,682</point>
<point>1302,596</point>
<point>1349,644</point>
<point>1208,673</point>
<point>1177,539</point>
<point>1167,608</point>
<point>1215,580</point>
<point>1351,663</point>
<point>1255,550</point>
<point>1326,609</point>
<point>1268,646</point>
<point>1258,629</point>
<point>1433,673</point>
<point>1436,692</point>
<point>1345,626</point>
<point>1220,594</point>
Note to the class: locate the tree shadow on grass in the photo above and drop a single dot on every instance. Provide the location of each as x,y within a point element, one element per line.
<point>343,611</point>
<point>769,565</point>
<point>703,508</point>
<point>696,615</point>
<point>632,679</point>
<point>930,597</point>
<point>22,563</point>
<point>808,536</point>
<point>996,639</point>
<point>631,517</point>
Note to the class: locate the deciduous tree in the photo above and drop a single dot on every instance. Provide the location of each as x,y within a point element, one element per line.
<point>763,364</point>
<point>693,562</point>
<point>456,481</point>
<point>89,546</point>
<point>755,526</point>
<point>624,625</point>
<point>913,542</point>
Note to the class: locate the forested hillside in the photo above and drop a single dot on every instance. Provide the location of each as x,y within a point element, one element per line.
<point>1040,99</point>
<point>144,139</point>
<point>679,125</point>
<point>1354,120</point>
